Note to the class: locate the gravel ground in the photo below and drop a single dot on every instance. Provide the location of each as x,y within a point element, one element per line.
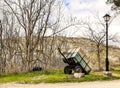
<point>96,84</point>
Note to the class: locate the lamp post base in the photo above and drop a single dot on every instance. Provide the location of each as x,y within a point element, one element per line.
<point>107,73</point>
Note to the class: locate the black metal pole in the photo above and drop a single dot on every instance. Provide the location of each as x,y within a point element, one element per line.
<point>107,61</point>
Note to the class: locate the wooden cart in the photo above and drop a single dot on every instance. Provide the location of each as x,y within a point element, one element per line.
<point>75,62</point>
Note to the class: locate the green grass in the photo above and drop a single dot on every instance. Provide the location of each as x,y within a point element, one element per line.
<point>116,70</point>
<point>52,76</point>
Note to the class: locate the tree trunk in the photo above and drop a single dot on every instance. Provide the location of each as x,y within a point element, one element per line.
<point>98,56</point>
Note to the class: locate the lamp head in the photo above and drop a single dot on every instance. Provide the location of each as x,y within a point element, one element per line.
<point>107,17</point>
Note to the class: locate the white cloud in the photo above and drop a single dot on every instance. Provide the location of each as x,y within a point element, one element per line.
<point>88,8</point>
<point>81,6</point>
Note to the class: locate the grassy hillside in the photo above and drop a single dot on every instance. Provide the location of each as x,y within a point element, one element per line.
<point>46,53</point>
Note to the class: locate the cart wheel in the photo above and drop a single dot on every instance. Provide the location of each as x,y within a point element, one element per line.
<point>78,69</point>
<point>67,70</point>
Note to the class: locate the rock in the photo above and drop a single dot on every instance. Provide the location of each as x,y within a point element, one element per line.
<point>79,75</point>
<point>107,73</point>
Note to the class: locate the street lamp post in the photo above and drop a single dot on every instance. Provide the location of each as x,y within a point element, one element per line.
<point>107,18</point>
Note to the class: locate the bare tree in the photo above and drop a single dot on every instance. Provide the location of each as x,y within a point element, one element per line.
<point>98,37</point>
<point>1,45</point>
<point>96,33</point>
<point>35,18</point>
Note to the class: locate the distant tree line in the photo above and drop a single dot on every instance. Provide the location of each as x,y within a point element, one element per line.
<point>23,41</point>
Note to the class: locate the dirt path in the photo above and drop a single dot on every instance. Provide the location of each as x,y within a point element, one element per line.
<point>96,84</point>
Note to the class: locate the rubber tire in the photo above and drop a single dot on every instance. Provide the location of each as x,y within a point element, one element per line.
<point>67,70</point>
<point>78,69</point>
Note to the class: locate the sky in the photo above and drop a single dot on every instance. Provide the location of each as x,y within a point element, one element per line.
<point>88,8</point>
<point>83,6</point>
